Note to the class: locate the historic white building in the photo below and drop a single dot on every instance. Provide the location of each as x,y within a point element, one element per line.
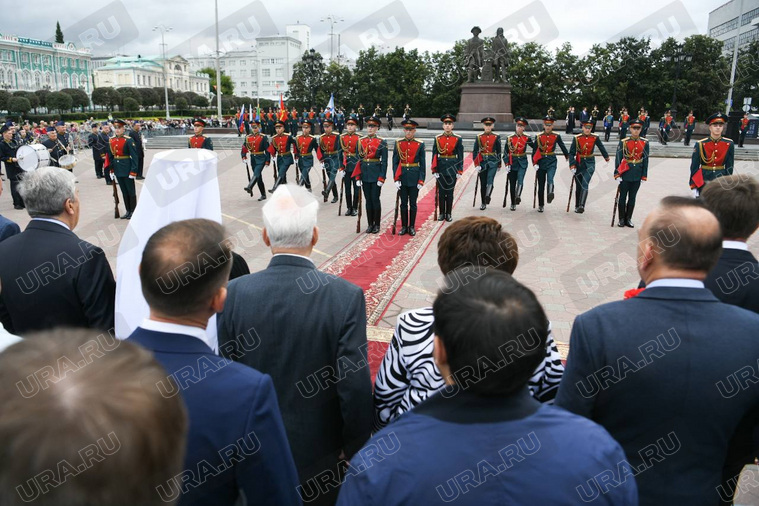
<point>728,24</point>
<point>148,72</point>
<point>30,65</point>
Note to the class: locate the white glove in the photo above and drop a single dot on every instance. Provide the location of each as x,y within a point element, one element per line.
<point>398,184</point>
<point>379,184</point>
<point>358,183</point>
<point>620,180</point>
<point>479,168</point>
<point>132,177</point>
<point>437,175</point>
<point>458,176</point>
<point>508,169</point>
<point>695,193</point>
<point>573,171</point>
<point>419,186</point>
<point>340,175</point>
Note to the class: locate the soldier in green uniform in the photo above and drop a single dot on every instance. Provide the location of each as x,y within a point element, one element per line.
<point>257,146</point>
<point>515,157</point>
<point>713,156</point>
<point>371,171</point>
<point>410,169</point>
<point>447,165</point>
<point>582,162</point>
<point>544,158</point>
<point>199,140</point>
<point>331,155</point>
<point>122,163</point>
<point>630,168</point>
<point>487,157</point>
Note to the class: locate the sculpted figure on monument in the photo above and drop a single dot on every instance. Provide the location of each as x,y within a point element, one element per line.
<point>474,55</point>
<point>500,48</point>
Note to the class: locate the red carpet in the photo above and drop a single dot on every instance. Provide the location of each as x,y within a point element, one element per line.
<point>380,263</point>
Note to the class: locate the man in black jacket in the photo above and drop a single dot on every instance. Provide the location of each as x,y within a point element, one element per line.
<point>136,134</point>
<point>98,142</point>
<point>308,332</point>
<point>50,277</point>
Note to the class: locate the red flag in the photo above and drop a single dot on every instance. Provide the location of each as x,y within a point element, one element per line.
<point>536,157</point>
<point>478,159</point>
<point>623,167</point>
<point>357,171</point>
<point>271,150</point>
<point>698,178</point>
<point>319,153</point>
<point>398,172</point>
<point>433,165</point>
<point>107,162</point>
<point>283,112</point>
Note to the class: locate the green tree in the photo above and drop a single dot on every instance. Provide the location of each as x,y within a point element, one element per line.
<point>130,104</point>
<point>149,97</point>
<point>307,81</point>
<point>58,33</point>
<point>227,85</point>
<point>338,80</point>
<point>78,98</point>
<point>130,92</point>
<point>4,97</point>
<point>41,96</point>
<point>444,78</point>
<point>107,97</point>
<point>532,91</point>
<point>200,101</point>
<point>33,99</point>
<point>746,75</point>
<point>58,101</point>
<point>19,105</point>
<point>180,103</point>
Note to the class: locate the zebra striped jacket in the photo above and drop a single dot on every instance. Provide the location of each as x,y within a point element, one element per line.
<point>408,374</point>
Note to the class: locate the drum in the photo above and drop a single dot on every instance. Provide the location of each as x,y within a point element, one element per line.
<point>67,162</point>
<point>32,157</point>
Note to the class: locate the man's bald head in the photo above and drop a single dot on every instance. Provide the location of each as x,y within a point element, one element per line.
<point>680,235</point>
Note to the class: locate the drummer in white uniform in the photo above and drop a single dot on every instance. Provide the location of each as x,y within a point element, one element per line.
<point>8,148</point>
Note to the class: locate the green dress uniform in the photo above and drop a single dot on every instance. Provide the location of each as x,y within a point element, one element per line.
<point>257,146</point>
<point>330,154</point>
<point>487,156</point>
<point>122,162</point>
<point>371,172</point>
<point>712,158</point>
<point>582,158</point>
<point>349,147</point>
<point>630,168</point>
<point>544,155</point>
<point>410,168</point>
<point>281,147</point>
<point>448,166</point>
<point>515,157</point>
<point>304,157</point>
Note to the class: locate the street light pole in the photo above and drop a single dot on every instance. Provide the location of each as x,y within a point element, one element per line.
<point>218,66</point>
<point>332,19</point>
<point>735,60</point>
<point>164,29</point>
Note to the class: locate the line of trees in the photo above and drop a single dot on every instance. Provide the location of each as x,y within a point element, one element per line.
<point>629,72</point>
<point>22,102</point>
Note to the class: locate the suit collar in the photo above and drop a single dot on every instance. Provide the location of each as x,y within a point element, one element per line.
<point>678,293</point>
<point>461,406</point>
<point>48,227</point>
<point>294,260</point>
<point>171,343</point>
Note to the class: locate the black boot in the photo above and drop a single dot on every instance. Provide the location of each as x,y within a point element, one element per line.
<point>251,184</point>
<point>550,193</point>
<point>412,222</point>
<point>520,187</point>
<point>621,210</point>
<point>128,207</point>
<point>377,218</point>
<point>628,216</point>
<point>334,193</point>
<point>583,198</point>
<point>370,220</point>
<point>330,187</point>
<point>276,184</point>
<point>489,194</point>
<point>404,222</point>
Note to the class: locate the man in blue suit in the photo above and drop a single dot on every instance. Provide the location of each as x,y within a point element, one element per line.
<point>236,442</point>
<point>666,372</point>
<point>483,439</point>
<point>311,335</point>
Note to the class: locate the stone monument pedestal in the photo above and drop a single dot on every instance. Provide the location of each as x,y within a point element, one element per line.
<point>480,99</point>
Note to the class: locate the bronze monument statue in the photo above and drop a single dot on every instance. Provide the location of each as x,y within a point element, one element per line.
<point>474,55</point>
<point>500,48</point>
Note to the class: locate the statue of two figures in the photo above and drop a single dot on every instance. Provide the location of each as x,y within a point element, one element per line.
<point>487,64</point>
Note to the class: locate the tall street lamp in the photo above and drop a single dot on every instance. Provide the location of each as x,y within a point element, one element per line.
<point>677,58</point>
<point>332,20</point>
<point>163,29</point>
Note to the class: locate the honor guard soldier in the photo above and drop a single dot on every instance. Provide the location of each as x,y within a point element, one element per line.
<point>271,120</point>
<point>8,149</point>
<point>330,153</point>
<point>487,157</point>
<point>349,144</point>
<point>624,123</point>
<point>291,124</point>
<point>378,111</point>
<point>744,129</point>
<point>199,140</point>
<point>689,125</point>
<point>665,127</point>
<point>361,112</point>
<point>257,146</point>
<point>645,120</point>
<point>582,162</point>
<point>630,168</point>
<point>515,158</point>
<point>447,165</point>
<point>545,157</point>
<point>281,146</point>
<point>407,112</point>
<point>305,145</point>
<point>410,168</point>
<point>390,114</point>
<point>371,171</point>
<point>136,135</point>
<point>594,114</point>
<point>122,162</point>
<point>54,146</point>
<point>713,156</point>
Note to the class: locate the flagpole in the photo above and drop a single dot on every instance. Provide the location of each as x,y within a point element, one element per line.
<point>218,67</point>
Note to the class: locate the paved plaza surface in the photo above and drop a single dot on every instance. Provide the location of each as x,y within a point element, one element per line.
<point>573,262</point>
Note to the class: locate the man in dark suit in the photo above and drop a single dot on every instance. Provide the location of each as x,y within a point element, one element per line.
<point>660,371</point>
<point>98,142</point>
<point>735,203</point>
<point>136,134</point>
<point>50,277</point>
<point>310,330</point>
<point>236,430</point>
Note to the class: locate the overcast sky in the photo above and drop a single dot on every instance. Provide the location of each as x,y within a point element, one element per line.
<point>127,27</point>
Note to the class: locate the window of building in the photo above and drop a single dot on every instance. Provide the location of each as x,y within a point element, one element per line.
<point>729,44</point>
<point>25,58</point>
<point>266,72</point>
<point>36,59</point>
<point>244,93</point>
<point>278,72</point>
<point>231,63</point>
<point>280,60</point>
<point>749,16</point>
<point>242,62</point>
<point>150,79</point>
<point>725,27</point>
<point>244,84</point>
<point>232,73</point>
<point>748,37</point>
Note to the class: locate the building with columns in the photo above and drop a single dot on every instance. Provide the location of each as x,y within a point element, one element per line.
<point>148,72</point>
<point>31,65</point>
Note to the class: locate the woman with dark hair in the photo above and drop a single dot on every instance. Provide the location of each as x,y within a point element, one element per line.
<point>408,374</point>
